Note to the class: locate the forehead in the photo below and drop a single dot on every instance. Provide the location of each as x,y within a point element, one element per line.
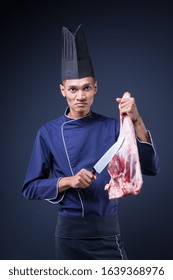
<point>79,82</point>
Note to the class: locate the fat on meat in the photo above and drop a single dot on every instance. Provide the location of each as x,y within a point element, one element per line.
<point>124,168</point>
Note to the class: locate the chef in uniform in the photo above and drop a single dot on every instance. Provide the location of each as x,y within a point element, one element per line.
<point>64,153</point>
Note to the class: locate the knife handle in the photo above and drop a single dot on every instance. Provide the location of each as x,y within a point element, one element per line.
<point>93,171</point>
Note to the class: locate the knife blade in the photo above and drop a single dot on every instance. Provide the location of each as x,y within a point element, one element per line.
<point>106,158</point>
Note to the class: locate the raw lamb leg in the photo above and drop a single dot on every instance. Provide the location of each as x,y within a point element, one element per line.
<point>124,168</point>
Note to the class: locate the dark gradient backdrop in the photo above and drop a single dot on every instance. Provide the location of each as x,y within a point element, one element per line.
<point>131,45</point>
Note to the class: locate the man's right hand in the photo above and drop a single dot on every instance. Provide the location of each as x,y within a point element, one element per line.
<point>82,179</point>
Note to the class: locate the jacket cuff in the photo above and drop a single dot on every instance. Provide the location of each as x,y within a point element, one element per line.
<point>58,196</point>
<point>146,143</point>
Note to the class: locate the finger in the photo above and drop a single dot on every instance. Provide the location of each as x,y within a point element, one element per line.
<point>127,106</point>
<point>85,178</point>
<point>119,102</point>
<point>118,99</point>
<point>80,183</point>
<point>86,173</point>
<point>127,109</point>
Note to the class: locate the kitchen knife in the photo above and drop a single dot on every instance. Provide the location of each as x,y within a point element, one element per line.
<point>106,158</point>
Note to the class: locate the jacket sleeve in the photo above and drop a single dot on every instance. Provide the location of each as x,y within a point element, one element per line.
<point>149,159</point>
<point>38,183</point>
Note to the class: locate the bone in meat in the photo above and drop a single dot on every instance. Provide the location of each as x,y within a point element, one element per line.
<point>124,168</point>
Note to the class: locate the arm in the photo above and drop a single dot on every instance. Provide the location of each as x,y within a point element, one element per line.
<point>38,184</point>
<point>149,159</point>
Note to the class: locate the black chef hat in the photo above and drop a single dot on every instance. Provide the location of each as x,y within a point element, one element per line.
<point>76,62</point>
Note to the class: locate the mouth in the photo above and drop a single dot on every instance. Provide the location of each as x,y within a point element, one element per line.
<point>81,104</point>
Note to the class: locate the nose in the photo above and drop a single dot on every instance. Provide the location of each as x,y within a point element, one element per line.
<point>80,95</point>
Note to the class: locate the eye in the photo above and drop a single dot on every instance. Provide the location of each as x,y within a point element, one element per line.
<point>87,88</point>
<point>72,89</point>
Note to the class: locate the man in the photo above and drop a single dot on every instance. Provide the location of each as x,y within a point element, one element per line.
<point>68,147</point>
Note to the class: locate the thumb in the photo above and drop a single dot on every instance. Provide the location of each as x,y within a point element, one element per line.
<point>121,116</point>
<point>118,99</point>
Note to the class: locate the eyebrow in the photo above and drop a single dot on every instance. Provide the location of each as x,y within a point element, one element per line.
<point>75,86</point>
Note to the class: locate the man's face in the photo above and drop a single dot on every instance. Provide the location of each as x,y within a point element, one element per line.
<point>79,94</point>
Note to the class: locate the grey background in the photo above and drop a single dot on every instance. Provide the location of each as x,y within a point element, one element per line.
<point>131,45</point>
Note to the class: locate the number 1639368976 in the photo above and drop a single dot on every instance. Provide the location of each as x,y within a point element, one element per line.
<point>133,270</point>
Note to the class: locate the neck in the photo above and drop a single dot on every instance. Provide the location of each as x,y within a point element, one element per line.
<point>76,115</point>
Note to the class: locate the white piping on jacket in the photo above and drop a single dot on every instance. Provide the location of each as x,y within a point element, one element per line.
<point>62,134</point>
<point>83,211</point>
<point>118,245</point>
<point>151,144</point>
<point>51,200</point>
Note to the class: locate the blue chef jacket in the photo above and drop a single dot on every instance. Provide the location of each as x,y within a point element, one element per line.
<point>63,147</point>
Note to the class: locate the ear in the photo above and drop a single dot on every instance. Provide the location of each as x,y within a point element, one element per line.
<point>96,86</point>
<point>62,90</point>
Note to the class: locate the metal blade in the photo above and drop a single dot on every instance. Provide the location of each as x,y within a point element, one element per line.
<point>106,158</point>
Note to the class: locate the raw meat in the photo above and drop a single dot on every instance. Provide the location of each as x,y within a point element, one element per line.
<point>124,168</point>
